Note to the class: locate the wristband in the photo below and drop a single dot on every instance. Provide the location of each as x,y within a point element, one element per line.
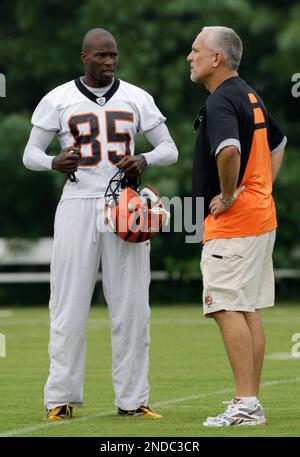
<point>227,202</point>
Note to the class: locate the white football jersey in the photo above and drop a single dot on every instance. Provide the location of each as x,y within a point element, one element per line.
<point>103,128</point>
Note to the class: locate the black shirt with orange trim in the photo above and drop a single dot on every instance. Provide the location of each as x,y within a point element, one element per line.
<point>234,114</point>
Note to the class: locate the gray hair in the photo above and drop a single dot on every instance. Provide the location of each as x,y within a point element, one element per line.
<point>227,41</point>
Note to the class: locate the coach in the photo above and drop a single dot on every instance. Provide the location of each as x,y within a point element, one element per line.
<point>239,151</point>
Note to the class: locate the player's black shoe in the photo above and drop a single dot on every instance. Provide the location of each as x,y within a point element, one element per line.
<point>143,411</point>
<point>60,412</point>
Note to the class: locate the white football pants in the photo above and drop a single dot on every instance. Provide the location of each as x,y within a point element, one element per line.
<point>77,251</point>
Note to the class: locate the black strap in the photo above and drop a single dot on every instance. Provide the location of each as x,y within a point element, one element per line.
<point>99,100</point>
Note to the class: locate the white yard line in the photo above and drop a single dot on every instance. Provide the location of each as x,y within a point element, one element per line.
<point>46,424</point>
<point>281,356</point>
<point>164,403</point>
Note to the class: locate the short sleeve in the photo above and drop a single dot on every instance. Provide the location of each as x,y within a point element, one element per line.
<point>149,114</point>
<point>275,136</point>
<point>222,124</point>
<point>46,116</point>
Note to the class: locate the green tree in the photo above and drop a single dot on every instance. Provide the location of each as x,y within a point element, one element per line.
<point>39,49</point>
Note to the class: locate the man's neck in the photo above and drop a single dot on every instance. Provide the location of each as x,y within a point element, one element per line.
<point>217,80</point>
<point>95,84</point>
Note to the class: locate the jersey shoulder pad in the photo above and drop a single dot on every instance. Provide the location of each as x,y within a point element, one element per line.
<point>135,92</point>
<point>61,94</point>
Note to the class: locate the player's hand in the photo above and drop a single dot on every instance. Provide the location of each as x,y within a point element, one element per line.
<point>133,165</point>
<point>67,160</point>
<point>217,207</point>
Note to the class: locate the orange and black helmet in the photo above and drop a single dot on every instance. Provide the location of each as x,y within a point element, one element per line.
<point>134,215</point>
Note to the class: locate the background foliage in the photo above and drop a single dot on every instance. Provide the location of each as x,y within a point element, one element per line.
<point>39,49</point>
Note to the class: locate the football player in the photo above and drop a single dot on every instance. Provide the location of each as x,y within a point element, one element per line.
<point>96,118</point>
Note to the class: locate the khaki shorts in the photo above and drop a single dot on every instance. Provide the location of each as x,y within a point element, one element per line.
<point>238,273</point>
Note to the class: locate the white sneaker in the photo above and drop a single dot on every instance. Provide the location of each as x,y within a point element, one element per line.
<point>234,400</point>
<point>237,413</point>
<point>229,402</point>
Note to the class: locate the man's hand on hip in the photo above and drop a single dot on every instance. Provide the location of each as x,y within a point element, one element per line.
<point>217,206</point>
<point>133,165</point>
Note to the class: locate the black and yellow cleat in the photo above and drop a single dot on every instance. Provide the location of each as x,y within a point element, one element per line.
<point>142,411</point>
<point>60,413</point>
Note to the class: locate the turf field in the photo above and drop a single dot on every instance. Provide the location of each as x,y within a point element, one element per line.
<point>189,375</point>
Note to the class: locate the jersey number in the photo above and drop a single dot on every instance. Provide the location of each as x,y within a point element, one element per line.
<point>87,135</point>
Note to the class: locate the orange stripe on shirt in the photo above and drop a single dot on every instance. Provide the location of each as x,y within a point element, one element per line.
<point>259,117</point>
<point>252,98</point>
<point>253,213</point>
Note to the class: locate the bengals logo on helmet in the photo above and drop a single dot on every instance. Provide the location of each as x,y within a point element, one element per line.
<point>133,215</point>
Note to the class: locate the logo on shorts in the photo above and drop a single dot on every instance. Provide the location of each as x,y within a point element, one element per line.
<point>208,300</point>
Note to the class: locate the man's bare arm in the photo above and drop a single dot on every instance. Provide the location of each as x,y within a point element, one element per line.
<point>276,162</point>
<point>228,163</point>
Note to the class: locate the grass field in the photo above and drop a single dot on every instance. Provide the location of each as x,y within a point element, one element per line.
<point>189,376</point>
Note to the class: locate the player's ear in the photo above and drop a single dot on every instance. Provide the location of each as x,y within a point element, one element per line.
<point>83,57</point>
